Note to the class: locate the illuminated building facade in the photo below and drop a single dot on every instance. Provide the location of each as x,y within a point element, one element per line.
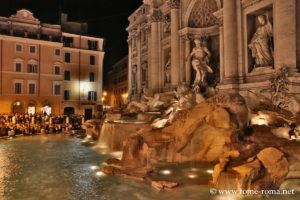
<point>163,33</point>
<point>50,68</point>
<point>118,84</point>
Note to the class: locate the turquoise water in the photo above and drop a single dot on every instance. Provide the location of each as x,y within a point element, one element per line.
<point>60,168</point>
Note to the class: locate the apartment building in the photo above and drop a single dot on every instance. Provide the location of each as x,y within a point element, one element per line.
<point>117,87</point>
<point>49,68</point>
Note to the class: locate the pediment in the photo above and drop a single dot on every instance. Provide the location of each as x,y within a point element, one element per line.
<point>24,15</point>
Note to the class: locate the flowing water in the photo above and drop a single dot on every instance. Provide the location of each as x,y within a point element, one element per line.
<point>60,168</point>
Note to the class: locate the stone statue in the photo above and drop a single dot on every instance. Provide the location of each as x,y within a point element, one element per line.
<point>260,44</point>
<point>147,103</point>
<point>167,24</point>
<point>184,99</point>
<point>200,62</point>
<point>280,96</point>
<point>168,70</point>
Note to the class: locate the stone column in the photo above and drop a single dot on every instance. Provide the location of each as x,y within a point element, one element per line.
<point>222,70</point>
<point>129,67</point>
<point>138,73</point>
<point>285,33</point>
<point>149,43</point>
<point>298,32</point>
<point>181,60</point>
<point>155,19</point>
<point>188,64</point>
<point>175,55</point>
<point>230,41</point>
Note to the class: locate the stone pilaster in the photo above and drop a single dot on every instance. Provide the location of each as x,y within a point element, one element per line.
<point>285,34</point>
<point>129,67</point>
<point>298,32</point>
<point>138,75</point>
<point>188,64</point>
<point>219,15</point>
<point>230,42</point>
<point>175,54</point>
<point>155,18</point>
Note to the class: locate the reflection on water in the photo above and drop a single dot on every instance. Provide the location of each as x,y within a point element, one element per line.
<point>59,168</point>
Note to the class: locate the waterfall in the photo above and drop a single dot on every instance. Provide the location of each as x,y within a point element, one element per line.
<point>114,134</point>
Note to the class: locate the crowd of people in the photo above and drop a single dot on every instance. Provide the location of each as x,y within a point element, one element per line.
<point>28,124</point>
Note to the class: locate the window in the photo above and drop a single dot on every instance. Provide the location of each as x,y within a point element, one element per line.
<point>18,88</point>
<point>19,48</point>
<point>92,96</point>
<point>67,57</point>
<point>67,75</point>
<point>32,68</point>
<point>31,88</point>
<point>92,77</point>
<point>57,70</point>
<point>57,52</point>
<point>92,45</point>
<point>67,95</point>
<point>32,49</point>
<point>92,60</point>
<point>18,67</point>
<point>68,41</point>
<point>56,89</point>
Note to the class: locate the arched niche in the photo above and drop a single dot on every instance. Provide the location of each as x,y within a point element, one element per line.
<point>196,6</point>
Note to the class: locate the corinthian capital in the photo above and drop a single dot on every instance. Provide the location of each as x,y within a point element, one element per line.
<point>174,4</point>
<point>156,15</point>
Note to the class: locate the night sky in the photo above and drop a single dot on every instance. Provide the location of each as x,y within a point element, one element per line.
<point>106,18</point>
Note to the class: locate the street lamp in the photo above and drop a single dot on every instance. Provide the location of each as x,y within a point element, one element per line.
<point>83,87</point>
<point>124,96</point>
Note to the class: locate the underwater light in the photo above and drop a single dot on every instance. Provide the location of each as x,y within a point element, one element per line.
<point>166,172</point>
<point>94,167</point>
<point>261,121</point>
<point>100,174</point>
<point>192,176</point>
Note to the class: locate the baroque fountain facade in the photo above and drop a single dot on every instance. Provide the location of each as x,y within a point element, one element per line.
<point>215,82</point>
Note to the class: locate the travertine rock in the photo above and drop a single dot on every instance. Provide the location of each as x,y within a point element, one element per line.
<point>164,185</point>
<point>135,152</point>
<point>247,174</point>
<point>274,161</point>
<point>239,177</point>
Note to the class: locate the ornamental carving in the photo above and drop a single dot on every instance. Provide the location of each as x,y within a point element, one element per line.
<point>247,3</point>
<point>156,15</point>
<point>202,14</point>
<point>167,24</point>
<point>174,4</point>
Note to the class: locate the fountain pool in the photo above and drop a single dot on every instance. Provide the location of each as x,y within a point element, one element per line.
<point>60,168</point>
